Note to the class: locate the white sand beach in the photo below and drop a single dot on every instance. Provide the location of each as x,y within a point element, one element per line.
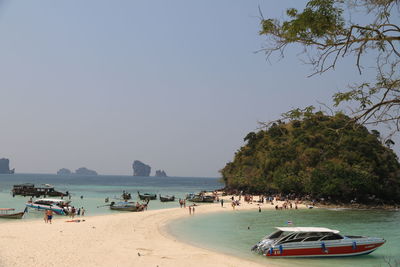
<point>123,239</point>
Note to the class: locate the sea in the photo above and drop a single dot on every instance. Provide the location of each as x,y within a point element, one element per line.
<point>90,192</point>
<point>232,233</point>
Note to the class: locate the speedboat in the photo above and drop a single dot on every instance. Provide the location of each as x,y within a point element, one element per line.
<point>314,242</point>
<point>59,206</point>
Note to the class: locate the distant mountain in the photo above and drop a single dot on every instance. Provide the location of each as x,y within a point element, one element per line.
<point>5,166</point>
<point>140,169</point>
<point>64,171</point>
<point>85,171</point>
<point>160,173</point>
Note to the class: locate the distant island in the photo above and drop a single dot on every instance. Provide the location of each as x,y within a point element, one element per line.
<point>5,166</point>
<point>316,156</point>
<point>160,173</point>
<point>140,169</point>
<point>64,171</point>
<point>80,171</point>
<point>85,171</point>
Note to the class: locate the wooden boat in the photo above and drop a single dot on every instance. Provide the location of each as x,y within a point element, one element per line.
<point>200,198</point>
<point>315,242</point>
<point>28,189</point>
<point>5,214</point>
<point>147,196</point>
<point>126,196</point>
<point>127,206</point>
<point>208,199</point>
<point>167,198</point>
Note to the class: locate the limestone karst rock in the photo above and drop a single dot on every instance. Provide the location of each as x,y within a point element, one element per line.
<point>5,166</point>
<point>140,169</point>
<point>85,171</point>
<point>160,173</point>
<point>64,171</point>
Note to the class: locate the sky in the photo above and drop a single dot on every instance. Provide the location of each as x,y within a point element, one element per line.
<point>175,84</point>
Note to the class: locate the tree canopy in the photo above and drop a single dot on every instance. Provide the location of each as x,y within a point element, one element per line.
<point>317,155</point>
<point>330,30</point>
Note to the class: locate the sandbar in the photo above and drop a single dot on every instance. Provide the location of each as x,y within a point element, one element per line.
<point>121,239</point>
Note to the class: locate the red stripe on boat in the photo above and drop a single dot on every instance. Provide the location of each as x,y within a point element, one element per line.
<point>343,250</point>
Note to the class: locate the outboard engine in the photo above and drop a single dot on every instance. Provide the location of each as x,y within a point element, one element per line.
<point>263,246</point>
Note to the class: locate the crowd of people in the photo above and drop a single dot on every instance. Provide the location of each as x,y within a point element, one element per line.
<point>289,202</point>
<point>71,211</point>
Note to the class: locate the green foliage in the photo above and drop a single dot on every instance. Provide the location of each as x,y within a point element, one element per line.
<point>328,32</point>
<point>319,18</point>
<point>318,155</point>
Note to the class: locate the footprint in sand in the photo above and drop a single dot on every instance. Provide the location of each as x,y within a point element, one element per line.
<point>144,251</point>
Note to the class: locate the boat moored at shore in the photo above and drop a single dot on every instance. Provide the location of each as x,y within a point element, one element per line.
<point>314,242</point>
<point>7,213</point>
<point>200,198</point>
<point>59,206</point>
<point>127,206</point>
<point>28,189</point>
<point>167,198</point>
<point>147,196</point>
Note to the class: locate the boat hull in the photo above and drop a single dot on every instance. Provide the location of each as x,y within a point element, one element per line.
<point>18,215</point>
<point>147,196</point>
<point>324,251</point>
<point>132,209</point>
<point>167,199</point>
<point>56,210</point>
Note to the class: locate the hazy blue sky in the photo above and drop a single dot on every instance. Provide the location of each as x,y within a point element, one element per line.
<point>176,84</point>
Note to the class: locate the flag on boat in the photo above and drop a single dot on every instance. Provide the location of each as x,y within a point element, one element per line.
<point>289,222</point>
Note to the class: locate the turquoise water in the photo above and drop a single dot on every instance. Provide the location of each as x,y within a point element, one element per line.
<point>229,233</point>
<point>95,189</point>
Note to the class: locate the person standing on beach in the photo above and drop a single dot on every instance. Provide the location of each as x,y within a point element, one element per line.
<point>73,210</point>
<point>45,216</point>
<point>49,214</point>
<point>222,203</point>
<point>190,210</point>
<point>193,210</point>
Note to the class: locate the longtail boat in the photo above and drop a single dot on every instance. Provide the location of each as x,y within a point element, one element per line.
<point>200,198</point>
<point>167,198</point>
<point>5,214</point>
<point>147,196</point>
<point>126,196</point>
<point>30,190</point>
<point>127,206</point>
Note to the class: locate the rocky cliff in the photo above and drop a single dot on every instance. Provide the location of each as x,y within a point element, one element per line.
<point>140,169</point>
<point>160,173</point>
<point>5,166</point>
<point>85,171</point>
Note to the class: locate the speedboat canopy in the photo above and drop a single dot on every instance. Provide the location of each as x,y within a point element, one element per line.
<point>307,229</point>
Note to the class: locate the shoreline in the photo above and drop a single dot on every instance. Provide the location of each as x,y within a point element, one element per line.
<point>122,239</point>
<point>358,207</point>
